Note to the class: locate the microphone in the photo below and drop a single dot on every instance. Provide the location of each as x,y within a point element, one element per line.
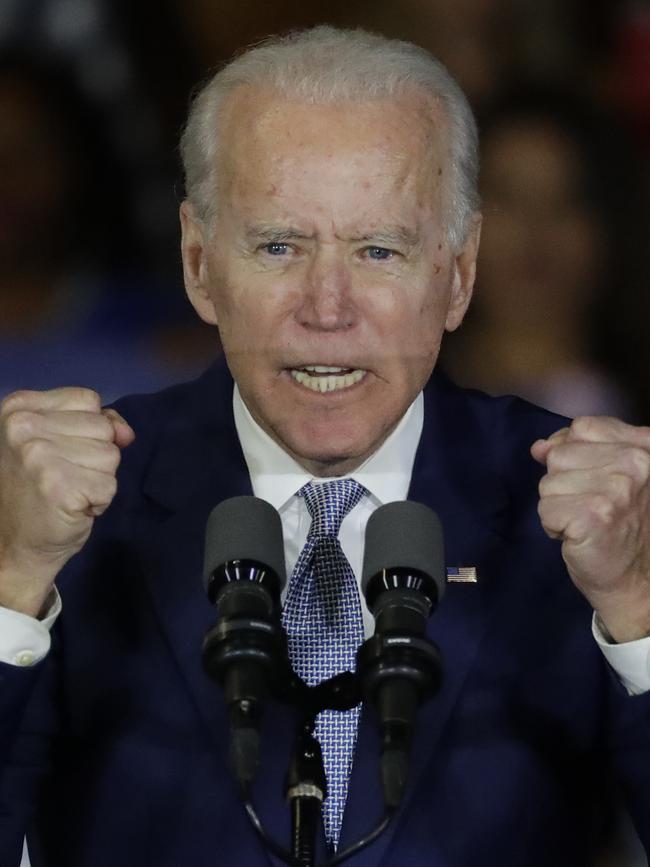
<point>403,580</point>
<point>245,652</point>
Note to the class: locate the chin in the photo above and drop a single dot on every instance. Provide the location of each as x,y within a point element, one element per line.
<point>330,453</point>
<point>327,452</point>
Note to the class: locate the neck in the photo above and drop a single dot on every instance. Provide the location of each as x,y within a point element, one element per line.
<point>329,468</point>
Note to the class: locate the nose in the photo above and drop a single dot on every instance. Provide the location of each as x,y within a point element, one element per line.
<point>327,303</point>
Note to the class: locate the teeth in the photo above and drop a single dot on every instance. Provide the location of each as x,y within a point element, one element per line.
<point>326,383</point>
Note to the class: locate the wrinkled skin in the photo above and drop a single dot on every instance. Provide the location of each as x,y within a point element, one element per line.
<point>329,246</point>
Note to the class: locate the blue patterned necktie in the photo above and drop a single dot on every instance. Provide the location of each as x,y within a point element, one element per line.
<point>324,624</point>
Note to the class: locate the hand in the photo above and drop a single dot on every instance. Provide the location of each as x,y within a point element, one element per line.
<point>59,452</point>
<point>595,496</point>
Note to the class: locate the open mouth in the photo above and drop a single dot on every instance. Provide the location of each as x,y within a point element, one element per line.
<point>323,377</point>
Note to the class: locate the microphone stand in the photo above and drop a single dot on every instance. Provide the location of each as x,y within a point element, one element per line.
<point>305,784</point>
<point>305,789</point>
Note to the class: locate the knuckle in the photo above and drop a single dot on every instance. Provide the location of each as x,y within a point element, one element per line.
<point>111,488</point>
<point>622,488</point>
<point>87,397</point>
<point>638,462</point>
<point>20,425</point>
<point>35,453</point>
<point>78,397</point>
<point>16,400</point>
<point>103,497</point>
<point>104,491</point>
<point>113,456</point>
<point>602,509</point>
<point>548,519</point>
<point>576,529</point>
<point>554,460</point>
<point>582,426</point>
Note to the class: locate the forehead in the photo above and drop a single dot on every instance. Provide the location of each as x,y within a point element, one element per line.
<point>276,145</point>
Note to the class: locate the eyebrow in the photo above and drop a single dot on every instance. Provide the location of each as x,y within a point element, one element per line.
<point>390,235</point>
<point>262,234</point>
<point>386,235</point>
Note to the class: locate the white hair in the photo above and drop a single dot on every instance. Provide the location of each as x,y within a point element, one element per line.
<point>327,65</point>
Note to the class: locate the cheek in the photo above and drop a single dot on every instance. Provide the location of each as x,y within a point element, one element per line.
<point>410,314</point>
<point>431,327</point>
<point>416,337</point>
<point>246,307</point>
<point>394,305</point>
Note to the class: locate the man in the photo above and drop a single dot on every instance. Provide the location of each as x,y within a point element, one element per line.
<point>331,232</point>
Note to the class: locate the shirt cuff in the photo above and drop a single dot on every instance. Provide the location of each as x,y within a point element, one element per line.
<point>24,640</point>
<point>630,661</point>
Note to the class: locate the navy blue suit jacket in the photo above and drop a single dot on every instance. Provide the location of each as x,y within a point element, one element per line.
<point>114,748</point>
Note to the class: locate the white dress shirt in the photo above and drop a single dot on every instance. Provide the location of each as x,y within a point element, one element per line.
<point>24,640</point>
<point>276,477</point>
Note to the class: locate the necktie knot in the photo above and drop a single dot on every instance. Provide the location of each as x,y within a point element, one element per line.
<point>329,502</point>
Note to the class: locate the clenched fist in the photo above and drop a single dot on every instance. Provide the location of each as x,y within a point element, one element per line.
<point>595,496</point>
<point>59,452</point>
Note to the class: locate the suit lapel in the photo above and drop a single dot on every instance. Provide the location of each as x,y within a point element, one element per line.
<point>188,475</point>
<point>454,475</point>
<point>197,464</point>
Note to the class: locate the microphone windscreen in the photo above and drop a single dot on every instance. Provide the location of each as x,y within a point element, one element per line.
<point>244,528</point>
<point>406,535</point>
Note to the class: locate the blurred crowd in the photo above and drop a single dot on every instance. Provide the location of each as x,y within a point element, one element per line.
<point>93,94</point>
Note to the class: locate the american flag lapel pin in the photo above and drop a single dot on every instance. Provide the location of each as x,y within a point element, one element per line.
<point>462,575</point>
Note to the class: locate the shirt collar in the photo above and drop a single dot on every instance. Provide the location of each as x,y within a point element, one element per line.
<point>276,476</point>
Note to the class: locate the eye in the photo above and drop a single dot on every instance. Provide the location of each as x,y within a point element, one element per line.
<point>379,254</point>
<point>275,248</point>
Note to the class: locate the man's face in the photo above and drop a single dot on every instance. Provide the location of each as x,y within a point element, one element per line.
<point>327,266</point>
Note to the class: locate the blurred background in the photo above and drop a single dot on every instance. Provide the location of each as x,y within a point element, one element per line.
<point>92,97</point>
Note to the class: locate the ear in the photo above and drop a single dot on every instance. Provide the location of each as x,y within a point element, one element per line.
<point>195,266</point>
<point>464,276</point>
